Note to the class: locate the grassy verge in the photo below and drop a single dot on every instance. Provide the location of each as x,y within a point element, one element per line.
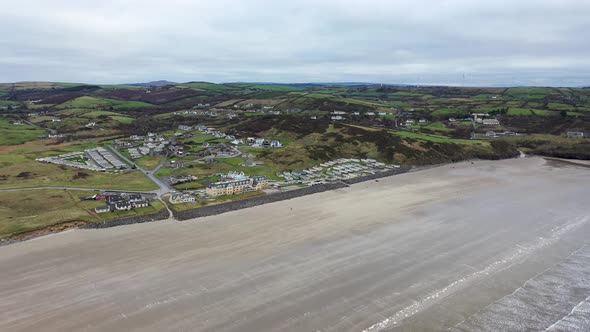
<point>30,210</point>
<point>149,162</point>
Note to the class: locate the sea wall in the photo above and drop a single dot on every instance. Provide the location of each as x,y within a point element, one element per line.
<point>379,175</point>
<point>254,201</point>
<point>160,215</point>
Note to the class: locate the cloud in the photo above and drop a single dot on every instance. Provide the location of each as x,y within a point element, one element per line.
<point>427,41</point>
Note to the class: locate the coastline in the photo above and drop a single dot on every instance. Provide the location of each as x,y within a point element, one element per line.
<point>422,251</point>
<point>202,211</point>
<point>245,203</point>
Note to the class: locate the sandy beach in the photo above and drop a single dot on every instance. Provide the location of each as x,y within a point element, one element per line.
<point>473,246</point>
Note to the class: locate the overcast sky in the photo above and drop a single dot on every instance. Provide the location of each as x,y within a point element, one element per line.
<point>456,42</point>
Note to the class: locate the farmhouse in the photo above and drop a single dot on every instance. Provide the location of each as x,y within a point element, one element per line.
<point>102,209</point>
<point>123,206</point>
<point>140,204</point>
<point>181,198</point>
<point>490,122</point>
<point>237,142</point>
<point>134,198</point>
<point>575,134</point>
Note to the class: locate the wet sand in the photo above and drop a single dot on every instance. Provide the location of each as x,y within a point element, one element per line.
<point>494,245</point>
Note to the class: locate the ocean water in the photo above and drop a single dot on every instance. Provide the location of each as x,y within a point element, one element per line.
<point>557,299</point>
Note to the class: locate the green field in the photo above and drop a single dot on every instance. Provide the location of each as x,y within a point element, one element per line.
<point>529,92</point>
<point>561,107</point>
<point>29,210</point>
<point>11,134</point>
<point>89,102</point>
<point>447,111</point>
<point>149,162</point>
<point>19,169</point>
<point>436,138</point>
<point>517,111</point>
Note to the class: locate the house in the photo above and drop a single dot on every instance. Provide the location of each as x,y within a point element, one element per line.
<point>337,117</point>
<point>90,125</point>
<point>250,140</point>
<point>370,113</point>
<point>275,144</point>
<point>56,120</point>
<point>491,133</point>
<point>141,203</point>
<point>452,120</point>
<point>177,150</point>
<point>338,113</point>
<point>259,141</point>
<point>313,117</point>
<point>201,128</point>
<point>249,163</point>
<point>112,199</point>
<point>490,122</point>
<point>133,198</point>
<point>102,209</point>
<point>176,179</point>
<point>184,127</point>
<point>575,134</point>
<point>479,115</point>
<point>123,206</point>
<point>236,175</point>
<point>356,113</point>
<point>422,121</point>
<point>237,142</point>
<point>181,198</point>
<point>410,122</point>
<point>174,164</point>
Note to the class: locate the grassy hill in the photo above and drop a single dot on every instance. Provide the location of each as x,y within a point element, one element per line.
<point>138,109</point>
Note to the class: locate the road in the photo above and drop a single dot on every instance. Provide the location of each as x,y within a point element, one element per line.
<point>163,187</point>
<point>489,246</point>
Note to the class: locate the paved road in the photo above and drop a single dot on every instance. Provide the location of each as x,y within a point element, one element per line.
<point>495,246</point>
<point>163,187</point>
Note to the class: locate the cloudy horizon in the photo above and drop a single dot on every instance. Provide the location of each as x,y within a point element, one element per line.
<point>456,42</point>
